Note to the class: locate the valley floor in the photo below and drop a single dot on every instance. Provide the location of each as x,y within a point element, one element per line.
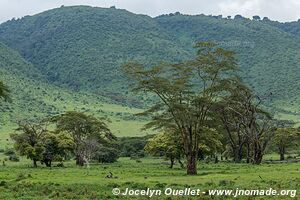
<point>18,180</point>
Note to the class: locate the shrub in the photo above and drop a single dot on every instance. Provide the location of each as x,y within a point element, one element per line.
<point>107,155</point>
<point>133,146</point>
<point>21,176</point>
<point>9,152</point>
<point>14,158</point>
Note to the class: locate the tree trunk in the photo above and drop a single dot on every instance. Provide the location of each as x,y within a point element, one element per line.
<point>181,164</point>
<point>248,153</point>
<point>257,155</point>
<point>172,161</point>
<point>79,160</point>
<point>281,152</point>
<point>216,159</point>
<point>201,155</point>
<point>281,156</point>
<point>237,155</point>
<point>192,163</point>
<point>34,163</point>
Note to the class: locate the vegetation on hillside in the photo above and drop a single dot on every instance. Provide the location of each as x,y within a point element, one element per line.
<point>82,48</point>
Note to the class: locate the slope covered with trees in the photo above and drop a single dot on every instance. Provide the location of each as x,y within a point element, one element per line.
<point>33,98</point>
<point>83,48</point>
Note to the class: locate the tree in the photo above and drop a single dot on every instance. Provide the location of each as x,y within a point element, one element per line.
<point>256,17</point>
<point>106,154</point>
<point>29,142</point>
<point>285,138</point>
<point>56,147</point>
<point>186,91</point>
<point>256,124</point>
<point>266,19</point>
<point>84,129</point>
<point>39,144</point>
<point>4,91</point>
<point>239,17</point>
<point>166,144</point>
<point>231,111</point>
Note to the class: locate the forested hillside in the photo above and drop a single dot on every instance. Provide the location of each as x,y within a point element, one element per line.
<point>82,48</point>
<point>33,97</point>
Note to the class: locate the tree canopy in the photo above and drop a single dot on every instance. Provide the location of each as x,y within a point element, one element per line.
<point>187,93</point>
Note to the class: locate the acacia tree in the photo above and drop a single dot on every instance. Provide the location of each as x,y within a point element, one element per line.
<point>231,112</point>
<point>36,142</point>
<point>29,142</point>
<point>186,91</point>
<point>167,144</point>
<point>56,147</point>
<point>84,129</point>
<point>285,138</point>
<point>255,124</point>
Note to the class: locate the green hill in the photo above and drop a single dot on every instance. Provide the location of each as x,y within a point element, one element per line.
<point>83,47</point>
<point>80,50</point>
<point>34,98</point>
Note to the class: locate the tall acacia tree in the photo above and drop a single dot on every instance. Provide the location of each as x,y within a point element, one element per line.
<point>232,110</point>
<point>247,124</point>
<point>187,92</point>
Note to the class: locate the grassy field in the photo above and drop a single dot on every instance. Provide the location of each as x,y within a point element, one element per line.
<point>121,119</point>
<point>21,181</point>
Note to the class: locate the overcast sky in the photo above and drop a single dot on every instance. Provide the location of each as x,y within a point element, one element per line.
<point>281,10</point>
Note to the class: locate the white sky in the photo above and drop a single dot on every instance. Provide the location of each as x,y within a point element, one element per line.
<point>281,10</point>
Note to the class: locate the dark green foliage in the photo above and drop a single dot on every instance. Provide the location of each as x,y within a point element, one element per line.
<point>106,155</point>
<point>11,154</point>
<point>14,158</point>
<point>132,146</point>
<point>83,47</point>
<point>4,91</point>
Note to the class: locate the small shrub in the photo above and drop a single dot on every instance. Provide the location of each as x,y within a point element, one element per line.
<point>3,183</point>
<point>20,176</point>
<point>9,152</point>
<point>225,182</point>
<point>14,158</point>
<point>160,185</point>
<point>61,164</point>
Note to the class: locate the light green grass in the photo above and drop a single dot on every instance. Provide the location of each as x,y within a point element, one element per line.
<point>24,182</point>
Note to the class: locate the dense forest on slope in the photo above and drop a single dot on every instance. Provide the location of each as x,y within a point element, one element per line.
<point>82,48</point>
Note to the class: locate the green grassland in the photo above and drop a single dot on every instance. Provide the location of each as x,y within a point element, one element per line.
<point>20,181</point>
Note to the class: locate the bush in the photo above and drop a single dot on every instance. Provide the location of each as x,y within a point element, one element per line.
<point>3,183</point>
<point>133,146</point>
<point>61,164</point>
<point>9,152</point>
<point>21,176</point>
<point>107,155</point>
<point>14,158</point>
